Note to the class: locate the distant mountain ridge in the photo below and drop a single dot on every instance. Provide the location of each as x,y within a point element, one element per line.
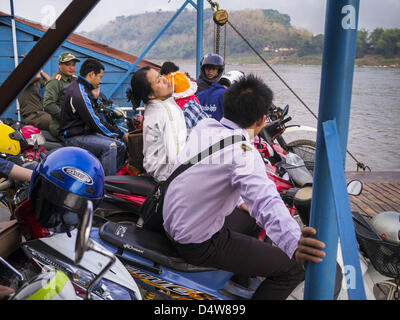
<point>265,29</point>
<point>269,31</point>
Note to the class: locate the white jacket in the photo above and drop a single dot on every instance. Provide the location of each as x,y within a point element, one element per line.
<point>164,136</point>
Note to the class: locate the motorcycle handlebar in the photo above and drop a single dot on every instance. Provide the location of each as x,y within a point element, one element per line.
<point>286,120</point>
<point>6,185</point>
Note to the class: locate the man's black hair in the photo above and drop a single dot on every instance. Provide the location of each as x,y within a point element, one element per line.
<point>90,65</point>
<point>168,67</point>
<point>247,100</point>
<point>140,87</point>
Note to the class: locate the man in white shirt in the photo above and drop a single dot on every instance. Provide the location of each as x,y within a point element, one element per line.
<point>199,201</point>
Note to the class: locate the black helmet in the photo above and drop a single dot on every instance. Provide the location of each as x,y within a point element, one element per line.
<point>215,60</point>
<point>212,59</point>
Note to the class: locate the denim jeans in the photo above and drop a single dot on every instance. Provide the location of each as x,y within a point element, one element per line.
<point>111,156</point>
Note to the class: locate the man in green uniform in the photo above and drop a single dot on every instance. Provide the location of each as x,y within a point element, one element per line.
<point>54,90</point>
<point>30,103</point>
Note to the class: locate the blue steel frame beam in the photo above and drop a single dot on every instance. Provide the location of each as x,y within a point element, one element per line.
<point>43,50</point>
<point>133,66</point>
<point>345,224</point>
<point>335,99</point>
<point>199,36</point>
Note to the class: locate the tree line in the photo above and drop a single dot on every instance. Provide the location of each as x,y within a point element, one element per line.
<point>267,30</point>
<point>379,41</point>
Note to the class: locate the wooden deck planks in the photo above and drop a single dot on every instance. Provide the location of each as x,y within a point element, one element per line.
<point>377,197</point>
<point>381,192</point>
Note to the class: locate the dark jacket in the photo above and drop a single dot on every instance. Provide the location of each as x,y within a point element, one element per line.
<point>212,100</point>
<point>204,83</point>
<point>78,114</point>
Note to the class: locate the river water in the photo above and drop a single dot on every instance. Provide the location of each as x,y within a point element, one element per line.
<point>374,134</point>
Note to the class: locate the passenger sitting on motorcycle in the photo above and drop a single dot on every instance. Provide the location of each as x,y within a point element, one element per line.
<point>30,103</point>
<point>164,127</point>
<point>198,209</point>
<point>54,90</point>
<point>82,127</point>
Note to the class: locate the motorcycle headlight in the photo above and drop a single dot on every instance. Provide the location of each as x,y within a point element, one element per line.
<point>38,137</point>
<point>81,278</point>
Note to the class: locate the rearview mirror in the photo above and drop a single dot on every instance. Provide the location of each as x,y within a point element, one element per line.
<point>285,110</point>
<point>84,243</point>
<point>354,187</point>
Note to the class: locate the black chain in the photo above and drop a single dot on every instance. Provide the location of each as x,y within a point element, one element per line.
<point>217,38</point>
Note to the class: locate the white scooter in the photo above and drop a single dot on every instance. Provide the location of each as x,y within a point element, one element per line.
<point>379,259</point>
<point>75,268</point>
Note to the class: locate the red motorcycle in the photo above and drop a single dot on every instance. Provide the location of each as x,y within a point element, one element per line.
<point>125,194</point>
<point>35,140</point>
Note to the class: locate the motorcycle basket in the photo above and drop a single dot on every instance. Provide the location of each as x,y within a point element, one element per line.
<point>384,255</point>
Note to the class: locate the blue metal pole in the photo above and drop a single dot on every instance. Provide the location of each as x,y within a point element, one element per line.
<point>133,66</point>
<point>199,36</point>
<point>335,98</point>
<point>15,48</point>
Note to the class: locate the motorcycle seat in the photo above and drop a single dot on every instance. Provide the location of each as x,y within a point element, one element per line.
<point>139,185</point>
<point>147,244</point>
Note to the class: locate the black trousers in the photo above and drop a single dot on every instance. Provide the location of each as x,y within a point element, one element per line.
<point>236,249</point>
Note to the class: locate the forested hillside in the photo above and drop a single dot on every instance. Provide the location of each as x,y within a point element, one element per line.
<point>269,31</point>
<point>264,28</point>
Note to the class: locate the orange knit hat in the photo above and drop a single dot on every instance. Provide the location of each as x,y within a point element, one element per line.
<point>183,86</point>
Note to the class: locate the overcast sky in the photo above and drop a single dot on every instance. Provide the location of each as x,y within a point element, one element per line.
<point>308,14</point>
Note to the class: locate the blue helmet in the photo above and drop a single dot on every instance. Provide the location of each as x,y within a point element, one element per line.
<point>62,184</point>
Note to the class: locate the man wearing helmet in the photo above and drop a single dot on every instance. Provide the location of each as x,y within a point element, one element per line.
<point>212,67</point>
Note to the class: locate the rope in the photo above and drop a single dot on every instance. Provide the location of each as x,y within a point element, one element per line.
<point>215,6</point>
<point>359,164</point>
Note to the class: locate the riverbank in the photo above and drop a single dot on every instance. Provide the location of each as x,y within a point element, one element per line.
<point>366,61</point>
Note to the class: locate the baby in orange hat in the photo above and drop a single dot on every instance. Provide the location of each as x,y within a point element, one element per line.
<point>184,90</point>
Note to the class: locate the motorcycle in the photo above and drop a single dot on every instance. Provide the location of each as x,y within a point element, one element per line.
<point>303,147</point>
<point>125,194</point>
<point>85,269</point>
<point>117,116</point>
<point>151,259</point>
<point>35,140</point>
<point>157,267</point>
<point>379,259</point>
<point>14,193</point>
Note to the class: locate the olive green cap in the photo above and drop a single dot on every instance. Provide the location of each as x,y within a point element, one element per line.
<point>67,56</point>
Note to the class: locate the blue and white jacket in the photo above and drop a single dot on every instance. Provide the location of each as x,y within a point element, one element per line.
<point>78,114</point>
